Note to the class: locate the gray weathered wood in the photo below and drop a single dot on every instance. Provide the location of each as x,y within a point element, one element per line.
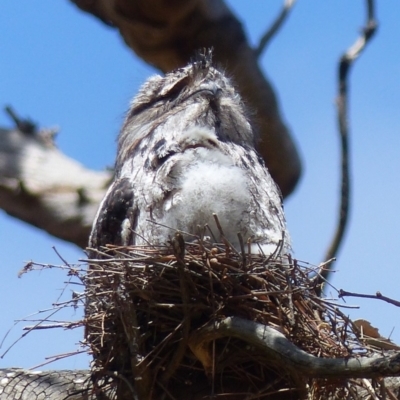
<point>22,384</point>
<point>42,186</point>
<point>284,353</point>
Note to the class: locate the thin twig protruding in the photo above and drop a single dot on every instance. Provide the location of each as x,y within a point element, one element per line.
<point>346,61</point>
<point>377,296</point>
<point>274,28</point>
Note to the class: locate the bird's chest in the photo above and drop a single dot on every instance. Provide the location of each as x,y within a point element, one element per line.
<point>187,189</point>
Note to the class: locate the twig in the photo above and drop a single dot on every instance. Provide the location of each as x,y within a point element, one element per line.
<point>377,296</point>
<point>25,319</point>
<point>240,237</point>
<point>68,265</point>
<point>58,357</point>
<point>223,238</point>
<point>382,388</point>
<point>346,61</point>
<point>61,257</point>
<point>24,334</point>
<point>390,394</point>
<point>178,245</point>
<point>369,388</point>
<point>290,315</point>
<point>337,306</point>
<point>65,325</point>
<point>207,227</point>
<point>274,28</point>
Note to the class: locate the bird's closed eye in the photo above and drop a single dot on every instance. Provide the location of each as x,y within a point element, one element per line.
<point>169,92</point>
<point>174,89</point>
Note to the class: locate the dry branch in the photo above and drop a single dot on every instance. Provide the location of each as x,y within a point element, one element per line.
<point>377,296</point>
<point>274,28</point>
<point>42,186</point>
<point>275,346</point>
<point>346,61</point>
<point>17,383</point>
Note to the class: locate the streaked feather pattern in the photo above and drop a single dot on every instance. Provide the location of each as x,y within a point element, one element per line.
<point>186,151</point>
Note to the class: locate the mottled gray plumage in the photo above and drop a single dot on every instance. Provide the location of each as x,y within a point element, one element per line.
<point>186,151</point>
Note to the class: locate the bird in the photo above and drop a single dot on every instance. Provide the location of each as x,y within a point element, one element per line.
<point>186,153</point>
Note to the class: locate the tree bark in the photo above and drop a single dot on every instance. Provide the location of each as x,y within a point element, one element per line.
<point>22,384</point>
<point>284,353</point>
<point>45,188</point>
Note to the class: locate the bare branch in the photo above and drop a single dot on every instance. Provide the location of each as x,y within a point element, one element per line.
<point>279,349</point>
<point>51,385</point>
<point>64,325</point>
<point>58,357</point>
<point>346,61</point>
<point>41,186</point>
<point>76,385</point>
<point>377,296</point>
<point>274,28</point>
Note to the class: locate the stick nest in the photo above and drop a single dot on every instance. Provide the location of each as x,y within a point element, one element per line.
<point>145,306</point>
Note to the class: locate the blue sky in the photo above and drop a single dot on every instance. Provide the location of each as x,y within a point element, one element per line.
<point>63,68</point>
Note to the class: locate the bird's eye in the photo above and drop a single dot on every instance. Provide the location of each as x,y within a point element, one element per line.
<point>169,92</point>
<point>175,88</point>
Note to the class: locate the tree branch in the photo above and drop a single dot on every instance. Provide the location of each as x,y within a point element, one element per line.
<point>282,352</point>
<point>17,383</point>
<point>377,296</point>
<point>167,35</point>
<point>274,28</point>
<point>346,61</point>
<point>43,187</point>
<point>76,385</point>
